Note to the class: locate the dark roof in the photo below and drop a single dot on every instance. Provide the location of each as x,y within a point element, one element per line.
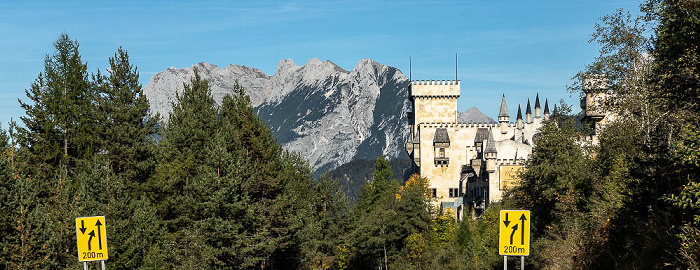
<point>546,106</point>
<point>504,108</point>
<point>482,134</point>
<point>520,114</point>
<point>441,136</point>
<point>537,101</point>
<point>528,110</point>
<point>490,145</point>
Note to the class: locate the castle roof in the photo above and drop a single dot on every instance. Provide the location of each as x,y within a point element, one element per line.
<point>528,110</point>
<point>520,114</point>
<point>546,106</point>
<point>491,144</point>
<point>537,101</point>
<point>441,136</point>
<point>482,134</point>
<point>504,108</point>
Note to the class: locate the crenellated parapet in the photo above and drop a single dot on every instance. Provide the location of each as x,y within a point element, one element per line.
<point>435,88</point>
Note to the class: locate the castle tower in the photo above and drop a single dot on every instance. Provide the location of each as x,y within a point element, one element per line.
<point>503,117</point>
<point>490,153</point>
<point>537,105</point>
<point>433,102</point>
<point>519,121</point>
<point>528,113</point>
<point>546,110</point>
<point>595,86</point>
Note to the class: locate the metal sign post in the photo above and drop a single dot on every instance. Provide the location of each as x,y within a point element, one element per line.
<point>514,235</point>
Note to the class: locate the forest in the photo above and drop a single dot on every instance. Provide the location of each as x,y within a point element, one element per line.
<point>212,189</point>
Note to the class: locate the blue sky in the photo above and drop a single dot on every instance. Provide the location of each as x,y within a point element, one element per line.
<point>516,48</point>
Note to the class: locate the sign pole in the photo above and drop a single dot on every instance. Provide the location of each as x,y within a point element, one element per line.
<point>522,263</point>
<point>505,262</point>
<point>85,265</point>
<point>103,265</point>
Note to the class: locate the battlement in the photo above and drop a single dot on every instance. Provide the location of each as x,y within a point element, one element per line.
<point>459,125</point>
<point>435,88</point>
<point>510,161</point>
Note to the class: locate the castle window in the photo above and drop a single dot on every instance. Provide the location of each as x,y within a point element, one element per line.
<point>454,192</point>
<point>441,141</point>
<point>434,192</point>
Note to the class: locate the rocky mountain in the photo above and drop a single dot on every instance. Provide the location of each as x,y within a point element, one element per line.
<point>473,115</point>
<point>329,115</point>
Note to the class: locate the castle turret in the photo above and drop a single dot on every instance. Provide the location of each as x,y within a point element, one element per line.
<point>490,153</point>
<point>519,121</point>
<point>503,117</point>
<point>546,110</point>
<point>528,113</point>
<point>593,103</point>
<point>537,105</point>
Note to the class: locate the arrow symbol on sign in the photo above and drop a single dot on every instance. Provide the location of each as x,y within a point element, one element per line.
<point>99,235</point>
<point>82,224</point>
<point>506,222</point>
<point>515,228</point>
<point>92,234</point>
<point>522,230</point>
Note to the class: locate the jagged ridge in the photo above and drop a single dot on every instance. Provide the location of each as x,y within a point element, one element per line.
<point>329,115</point>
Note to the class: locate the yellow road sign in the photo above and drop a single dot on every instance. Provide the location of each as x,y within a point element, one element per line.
<point>514,233</point>
<point>91,235</point>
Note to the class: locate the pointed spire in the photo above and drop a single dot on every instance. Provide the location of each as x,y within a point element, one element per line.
<point>546,106</point>
<point>528,110</point>
<point>490,145</point>
<point>520,114</point>
<point>504,107</point>
<point>537,101</point>
<point>555,108</point>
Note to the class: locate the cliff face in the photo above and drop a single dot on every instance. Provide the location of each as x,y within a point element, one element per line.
<point>329,115</point>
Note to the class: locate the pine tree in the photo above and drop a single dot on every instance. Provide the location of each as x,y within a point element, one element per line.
<point>125,127</point>
<point>182,180</point>
<point>59,122</point>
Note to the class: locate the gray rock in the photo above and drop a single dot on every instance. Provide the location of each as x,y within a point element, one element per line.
<point>327,114</point>
<point>473,116</point>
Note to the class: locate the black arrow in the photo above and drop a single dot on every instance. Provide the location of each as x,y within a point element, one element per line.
<point>515,228</point>
<point>506,222</point>
<point>522,229</point>
<point>82,224</point>
<point>92,234</point>
<point>99,235</point>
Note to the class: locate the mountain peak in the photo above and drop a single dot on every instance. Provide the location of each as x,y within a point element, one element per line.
<point>285,65</point>
<point>319,109</point>
<point>473,116</point>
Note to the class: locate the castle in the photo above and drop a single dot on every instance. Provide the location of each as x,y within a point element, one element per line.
<point>470,165</point>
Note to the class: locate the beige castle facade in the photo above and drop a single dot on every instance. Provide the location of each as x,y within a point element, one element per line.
<point>470,165</point>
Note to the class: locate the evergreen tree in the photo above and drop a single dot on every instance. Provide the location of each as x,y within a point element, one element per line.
<point>126,129</point>
<point>60,121</point>
<point>181,177</point>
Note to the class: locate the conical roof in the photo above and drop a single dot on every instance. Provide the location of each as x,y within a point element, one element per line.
<point>490,145</point>
<point>546,106</point>
<point>504,107</point>
<point>537,101</point>
<point>520,114</point>
<point>528,110</point>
